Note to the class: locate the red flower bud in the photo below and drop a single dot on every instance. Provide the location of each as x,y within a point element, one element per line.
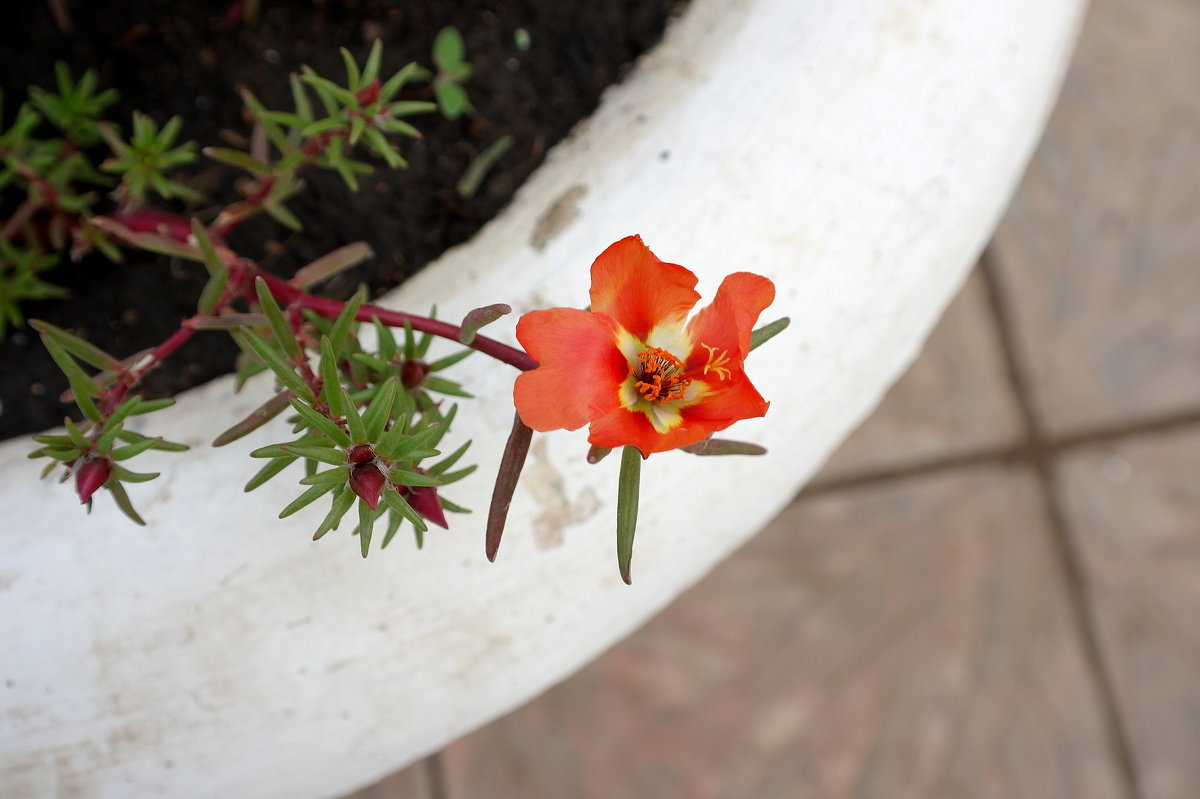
<point>367,480</point>
<point>369,93</point>
<point>424,500</point>
<point>360,453</point>
<point>413,373</point>
<point>91,473</point>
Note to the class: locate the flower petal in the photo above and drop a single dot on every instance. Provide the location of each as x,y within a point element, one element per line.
<point>727,323</point>
<point>632,428</point>
<point>729,401</point>
<point>580,372</point>
<point>630,284</point>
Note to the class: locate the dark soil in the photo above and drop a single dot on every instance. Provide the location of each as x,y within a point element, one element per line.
<point>182,58</point>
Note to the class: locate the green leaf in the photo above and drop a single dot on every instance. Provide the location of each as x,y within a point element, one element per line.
<point>393,500</point>
<point>451,98</point>
<point>405,447</point>
<point>405,477</point>
<point>128,451</point>
<point>210,295</point>
<point>273,131</point>
<point>380,409</point>
<point>358,431</point>
<point>767,332</point>
<point>327,478</point>
<point>366,523</point>
<point>720,446</point>
<point>300,98</point>
<point>341,503</point>
<point>450,360</point>
<point>127,476</point>
<point>628,488</point>
<point>305,499</point>
<point>320,422</point>
<point>282,370</point>
<point>449,461</point>
<point>380,145</point>
<point>112,425</point>
<point>279,326</point>
<point>81,349</point>
<point>330,379</point>
<point>394,522</point>
<point>273,467</point>
<point>443,386</point>
<point>238,159</point>
<point>122,500</point>
<point>357,126</point>
<point>83,388</point>
<point>371,68</point>
<point>387,342</point>
<point>145,406</point>
<point>78,439</point>
<point>597,454</point>
<point>283,215</point>
<point>256,419</point>
<point>397,81</point>
<point>345,320</point>
<point>454,477</point>
<point>479,167</point>
<point>332,264</point>
<point>334,457</point>
<point>353,77</point>
<point>448,48</point>
<point>479,317</point>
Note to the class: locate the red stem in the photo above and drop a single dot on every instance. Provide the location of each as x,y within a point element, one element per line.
<point>289,294</point>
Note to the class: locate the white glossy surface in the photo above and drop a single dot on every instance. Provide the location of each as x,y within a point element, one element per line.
<point>858,152</point>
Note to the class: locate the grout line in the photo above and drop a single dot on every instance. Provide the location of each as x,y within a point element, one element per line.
<point>1042,455</point>
<point>435,773</point>
<point>1020,452</point>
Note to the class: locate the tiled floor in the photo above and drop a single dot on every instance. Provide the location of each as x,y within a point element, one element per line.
<point>993,590</point>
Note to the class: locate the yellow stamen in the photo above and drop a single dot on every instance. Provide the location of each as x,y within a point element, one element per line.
<point>658,376</point>
<point>716,363</point>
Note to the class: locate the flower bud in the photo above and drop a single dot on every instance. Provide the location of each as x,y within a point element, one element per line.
<point>91,473</point>
<point>413,373</point>
<point>360,453</point>
<point>367,480</point>
<point>424,500</point>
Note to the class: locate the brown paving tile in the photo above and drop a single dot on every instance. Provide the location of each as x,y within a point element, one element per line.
<point>1134,510</point>
<point>955,398</point>
<point>909,640</point>
<point>1098,253</point>
<point>413,782</point>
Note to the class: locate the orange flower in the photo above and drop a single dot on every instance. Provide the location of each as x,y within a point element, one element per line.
<point>635,367</point>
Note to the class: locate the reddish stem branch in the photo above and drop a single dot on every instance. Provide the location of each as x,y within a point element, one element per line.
<point>287,293</point>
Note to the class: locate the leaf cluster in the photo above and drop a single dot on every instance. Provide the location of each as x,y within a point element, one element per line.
<point>363,111</point>
<point>102,432</point>
<point>356,410</point>
<point>144,161</point>
<point>453,70</point>
<point>46,161</point>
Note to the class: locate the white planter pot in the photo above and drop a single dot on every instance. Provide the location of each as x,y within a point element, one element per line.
<point>858,152</point>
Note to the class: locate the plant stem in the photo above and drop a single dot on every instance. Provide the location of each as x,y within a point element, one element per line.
<point>289,294</point>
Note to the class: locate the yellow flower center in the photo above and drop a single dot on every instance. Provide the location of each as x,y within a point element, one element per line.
<point>658,376</point>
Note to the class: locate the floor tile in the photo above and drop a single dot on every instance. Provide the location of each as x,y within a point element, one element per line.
<point>1097,254</point>
<point>905,640</point>
<point>1134,509</point>
<point>954,399</point>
